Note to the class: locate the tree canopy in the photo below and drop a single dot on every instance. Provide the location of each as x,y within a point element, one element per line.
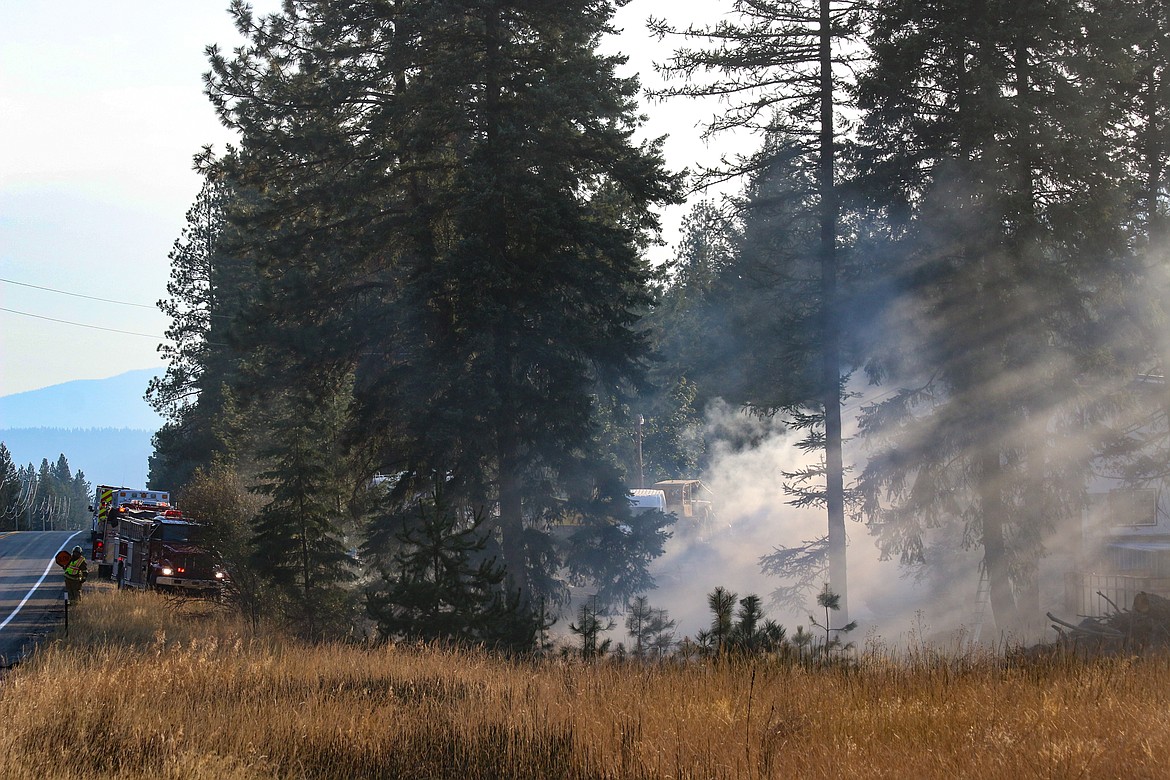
<point>424,262</point>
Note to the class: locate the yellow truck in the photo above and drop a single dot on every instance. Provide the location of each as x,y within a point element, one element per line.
<point>690,500</point>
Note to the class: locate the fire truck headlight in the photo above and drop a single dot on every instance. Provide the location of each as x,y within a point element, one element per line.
<point>166,571</point>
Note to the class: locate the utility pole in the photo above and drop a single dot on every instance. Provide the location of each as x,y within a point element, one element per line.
<point>641,474</point>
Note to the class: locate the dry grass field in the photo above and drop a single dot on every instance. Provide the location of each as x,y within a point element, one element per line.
<point>141,688</point>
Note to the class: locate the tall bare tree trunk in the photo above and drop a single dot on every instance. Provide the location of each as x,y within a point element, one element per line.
<point>830,348</point>
<point>995,562</point>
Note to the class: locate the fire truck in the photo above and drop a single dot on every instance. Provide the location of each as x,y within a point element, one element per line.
<point>112,505</point>
<point>141,541</point>
<point>165,552</point>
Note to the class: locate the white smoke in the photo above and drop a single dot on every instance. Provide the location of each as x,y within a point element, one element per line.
<point>754,518</point>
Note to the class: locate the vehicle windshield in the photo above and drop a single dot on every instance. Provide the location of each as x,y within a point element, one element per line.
<point>175,532</point>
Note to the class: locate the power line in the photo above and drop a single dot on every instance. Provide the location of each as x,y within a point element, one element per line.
<point>83,325</point>
<point>99,327</point>
<point>95,298</point>
<point>79,295</point>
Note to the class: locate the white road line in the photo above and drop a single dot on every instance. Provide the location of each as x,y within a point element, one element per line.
<point>28,595</point>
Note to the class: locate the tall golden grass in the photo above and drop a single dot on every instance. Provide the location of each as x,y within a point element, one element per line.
<point>141,688</point>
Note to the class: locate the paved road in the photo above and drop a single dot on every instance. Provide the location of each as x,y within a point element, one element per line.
<point>30,586</point>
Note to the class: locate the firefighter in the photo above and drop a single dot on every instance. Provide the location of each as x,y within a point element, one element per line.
<point>75,573</point>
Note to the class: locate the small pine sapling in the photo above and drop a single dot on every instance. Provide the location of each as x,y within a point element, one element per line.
<point>590,628</point>
<point>831,602</point>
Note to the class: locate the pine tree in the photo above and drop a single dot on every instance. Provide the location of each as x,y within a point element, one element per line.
<point>614,548</point>
<point>685,319</point>
<point>722,604</point>
<point>70,496</point>
<point>192,304</point>
<point>987,142</point>
<point>80,492</point>
<point>770,339</point>
<point>590,627</point>
<point>1140,32</point>
<point>10,490</point>
<point>777,63</point>
<point>26,502</point>
<point>444,198</point>
<point>687,372</point>
<point>830,602</point>
<point>651,629</point>
<point>549,214</point>
<point>206,292</point>
<point>299,534</point>
<point>439,585</point>
<point>48,505</point>
<point>754,633</point>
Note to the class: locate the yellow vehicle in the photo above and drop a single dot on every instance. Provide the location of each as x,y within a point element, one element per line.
<point>690,500</point>
<point>111,505</point>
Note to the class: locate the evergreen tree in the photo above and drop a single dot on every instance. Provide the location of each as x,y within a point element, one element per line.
<point>608,546</point>
<point>613,551</point>
<point>689,369</point>
<point>686,318</point>
<point>10,491</point>
<point>672,443</point>
<point>444,198</point>
<point>988,144</point>
<point>1136,33</point>
<point>651,629</point>
<point>753,633</point>
<point>770,339</point>
<point>80,492</point>
<point>299,534</point>
<point>24,512</point>
<point>49,506</point>
<point>65,496</point>
<point>722,604</point>
<point>590,627</point>
<point>1140,32</point>
<point>206,292</point>
<point>440,585</point>
<point>779,62</point>
<point>830,602</point>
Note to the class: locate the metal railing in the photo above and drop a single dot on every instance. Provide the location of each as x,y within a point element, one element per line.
<point>1089,594</point>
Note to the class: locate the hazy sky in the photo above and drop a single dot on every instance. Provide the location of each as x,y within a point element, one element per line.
<point>101,111</point>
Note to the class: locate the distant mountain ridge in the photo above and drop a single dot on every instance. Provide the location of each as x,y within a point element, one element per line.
<point>103,427</point>
<point>116,402</point>
<point>108,456</point>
